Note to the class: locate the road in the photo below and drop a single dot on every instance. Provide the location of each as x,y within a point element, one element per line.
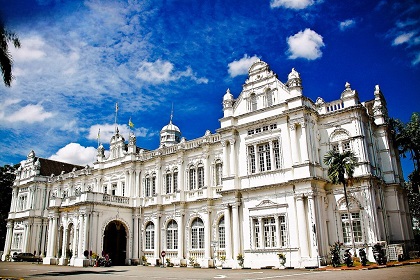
<point>39,271</point>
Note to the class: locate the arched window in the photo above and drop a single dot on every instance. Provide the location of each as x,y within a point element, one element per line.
<point>192,178</point>
<point>147,186</point>
<point>253,101</point>
<point>153,184</point>
<point>197,234</point>
<point>175,180</point>
<point>351,217</point>
<point>150,236</point>
<point>269,98</point>
<point>172,235</point>
<point>200,171</point>
<point>219,173</point>
<point>168,181</point>
<point>340,141</point>
<point>221,233</point>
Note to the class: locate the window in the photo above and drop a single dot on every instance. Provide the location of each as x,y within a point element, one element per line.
<point>168,179</point>
<point>17,241</point>
<point>22,202</point>
<point>266,233</point>
<point>269,233</point>
<point>200,171</point>
<point>273,126</point>
<point>257,236</point>
<point>283,231</point>
<point>147,186</point>
<point>221,232</point>
<point>175,178</point>
<point>219,173</point>
<point>251,154</point>
<point>105,189</point>
<point>357,227</point>
<point>150,236</point>
<point>264,157</point>
<point>114,189</point>
<point>197,234</point>
<point>346,146</point>
<point>192,177</point>
<point>276,152</point>
<point>253,102</point>
<point>269,96</point>
<point>123,189</point>
<point>153,184</point>
<point>172,235</point>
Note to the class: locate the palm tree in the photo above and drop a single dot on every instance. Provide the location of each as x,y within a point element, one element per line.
<point>6,60</point>
<point>341,165</point>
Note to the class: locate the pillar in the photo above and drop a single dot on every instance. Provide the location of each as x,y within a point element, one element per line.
<point>225,160</point>
<point>80,241</point>
<point>302,226</point>
<point>228,233</point>
<point>235,232</point>
<point>136,236</point>
<point>293,143</point>
<point>157,238</point>
<point>181,231</point>
<point>304,143</point>
<point>232,157</point>
<point>8,240</point>
<point>207,233</point>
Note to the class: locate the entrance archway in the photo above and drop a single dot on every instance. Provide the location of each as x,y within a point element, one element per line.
<point>115,242</point>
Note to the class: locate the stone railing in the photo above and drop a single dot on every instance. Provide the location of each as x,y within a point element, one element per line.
<point>116,199</point>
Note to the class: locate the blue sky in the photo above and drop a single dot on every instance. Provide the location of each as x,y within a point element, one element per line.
<point>78,58</point>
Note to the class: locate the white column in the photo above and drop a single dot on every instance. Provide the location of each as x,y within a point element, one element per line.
<point>86,232</point>
<point>304,143</point>
<point>8,240</point>
<point>64,245</point>
<point>228,233</point>
<point>157,238</point>
<point>50,237</point>
<point>80,243</point>
<point>232,157</point>
<point>278,230</point>
<point>235,231</point>
<point>207,232</point>
<point>302,226</point>
<point>313,241</point>
<point>293,143</point>
<point>75,239</point>
<point>136,236</point>
<point>181,232</point>
<point>225,160</point>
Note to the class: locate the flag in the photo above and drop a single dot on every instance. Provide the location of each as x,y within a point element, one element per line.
<point>130,123</point>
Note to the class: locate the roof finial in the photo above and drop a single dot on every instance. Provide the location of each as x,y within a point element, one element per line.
<point>172,113</point>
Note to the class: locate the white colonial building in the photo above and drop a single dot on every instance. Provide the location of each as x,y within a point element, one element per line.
<point>257,187</point>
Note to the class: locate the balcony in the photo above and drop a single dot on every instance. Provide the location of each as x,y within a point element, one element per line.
<point>86,197</point>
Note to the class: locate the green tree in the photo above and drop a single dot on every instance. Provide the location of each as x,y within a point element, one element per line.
<point>7,176</point>
<point>340,166</point>
<point>6,60</point>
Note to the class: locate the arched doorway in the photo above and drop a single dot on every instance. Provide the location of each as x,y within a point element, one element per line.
<point>115,242</point>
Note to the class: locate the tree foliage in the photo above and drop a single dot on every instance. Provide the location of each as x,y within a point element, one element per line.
<point>6,61</point>
<point>7,176</point>
<point>340,165</point>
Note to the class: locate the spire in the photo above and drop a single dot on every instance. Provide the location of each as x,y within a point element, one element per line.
<point>172,113</point>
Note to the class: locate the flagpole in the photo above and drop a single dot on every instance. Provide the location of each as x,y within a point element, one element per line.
<point>116,114</point>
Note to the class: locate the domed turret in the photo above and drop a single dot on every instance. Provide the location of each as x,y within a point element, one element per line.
<point>170,134</point>
<point>294,83</point>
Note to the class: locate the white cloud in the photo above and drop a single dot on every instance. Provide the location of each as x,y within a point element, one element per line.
<point>32,48</point>
<point>416,60</point>
<point>291,4</point>
<point>162,72</point>
<point>305,44</point>
<point>403,38</point>
<point>76,154</point>
<point>30,113</point>
<point>241,66</point>
<point>347,24</point>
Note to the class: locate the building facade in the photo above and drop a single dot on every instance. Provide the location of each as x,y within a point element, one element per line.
<point>257,187</point>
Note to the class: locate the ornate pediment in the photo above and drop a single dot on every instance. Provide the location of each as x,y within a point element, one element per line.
<point>266,203</point>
